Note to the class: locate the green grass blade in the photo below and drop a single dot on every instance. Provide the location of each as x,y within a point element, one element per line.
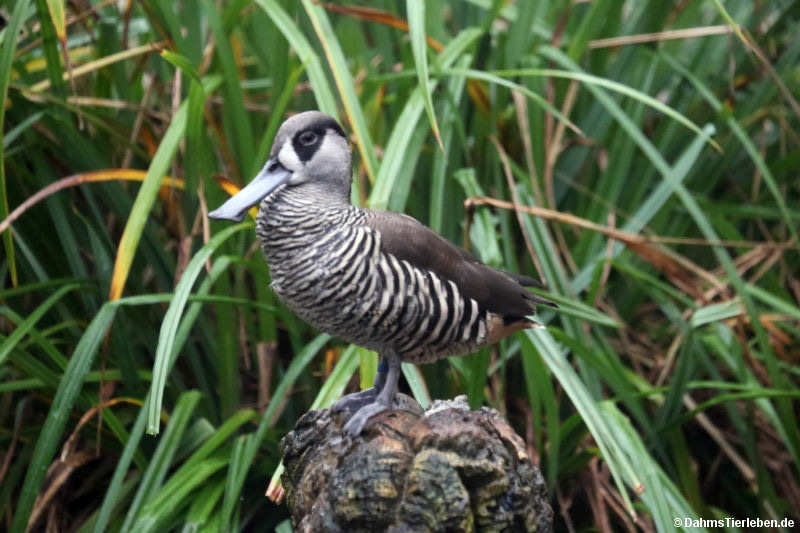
<point>169,327</point>
<point>316,75</point>
<point>114,493</point>
<point>147,196</point>
<point>30,321</point>
<point>415,10</point>
<point>331,390</point>
<point>740,134</point>
<point>68,389</point>
<point>174,494</point>
<point>202,506</point>
<point>161,461</point>
<point>7,48</point>
<point>397,147</point>
<point>344,81</point>
<point>300,361</point>
<point>242,139</point>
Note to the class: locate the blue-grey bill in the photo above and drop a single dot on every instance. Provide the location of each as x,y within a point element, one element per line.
<point>270,178</point>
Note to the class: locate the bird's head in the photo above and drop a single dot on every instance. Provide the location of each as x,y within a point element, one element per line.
<point>311,151</point>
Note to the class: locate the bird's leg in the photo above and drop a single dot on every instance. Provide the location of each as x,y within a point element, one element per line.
<point>357,400</point>
<point>383,401</point>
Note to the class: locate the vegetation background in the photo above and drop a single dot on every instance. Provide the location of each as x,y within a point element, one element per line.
<point>643,157</point>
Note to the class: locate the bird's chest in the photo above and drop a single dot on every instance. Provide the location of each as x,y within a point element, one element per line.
<point>311,274</point>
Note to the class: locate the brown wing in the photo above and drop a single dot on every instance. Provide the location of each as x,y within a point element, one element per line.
<point>494,290</point>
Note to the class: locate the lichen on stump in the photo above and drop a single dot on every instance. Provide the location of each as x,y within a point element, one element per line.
<point>447,469</point>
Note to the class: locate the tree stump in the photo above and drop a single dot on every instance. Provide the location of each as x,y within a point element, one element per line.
<point>445,469</point>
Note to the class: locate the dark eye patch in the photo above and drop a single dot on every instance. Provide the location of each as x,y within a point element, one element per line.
<point>305,146</point>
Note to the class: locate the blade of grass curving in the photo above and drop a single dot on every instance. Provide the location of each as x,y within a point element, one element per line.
<point>237,471</point>
<point>400,138</point>
<point>51,38</point>
<point>181,62</point>
<point>455,90</point>
<point>740,134</point>
<point>588,79</point>
<point>576,308</point>
<point>331,390</point>
<point>498,79</point>
<point>169,327</point>
<point>30,321</point>
<point>344,81</point>
<point>716,312</point>
<point>7,48</point>
<point>160,462</point>
<point>544,405</point>
<point>114,492</point>
<point>147,196</point>
<point>12,134</point>
<point>621,470</point>
<point>662,498</point>
<point>68,389</point>
<point>316,75</point>
<point>173,494</point>
<point>416,382</point>
<point>415,10</point>
<point>222,434</point>
<point>779,304</point>
<point>298,364</point>
<point>39,286</point>
<point>201,507</point>
<point>236,116</point>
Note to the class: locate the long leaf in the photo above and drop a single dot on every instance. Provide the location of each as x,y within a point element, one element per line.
<point>143,204</point>
<point>68,389</point>
<point>30,321</point>
<point>416,25</point>
<point>344,81</point>
<point>7,48</point>
<point>169,327</point>
<point>319,82</point>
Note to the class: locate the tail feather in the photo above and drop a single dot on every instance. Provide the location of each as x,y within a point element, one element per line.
<point>535,298</point>
<point>525,281</point>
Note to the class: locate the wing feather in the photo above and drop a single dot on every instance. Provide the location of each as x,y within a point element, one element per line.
<point>494,290</point>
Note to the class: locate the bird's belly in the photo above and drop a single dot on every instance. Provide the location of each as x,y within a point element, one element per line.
<point>353,304</point>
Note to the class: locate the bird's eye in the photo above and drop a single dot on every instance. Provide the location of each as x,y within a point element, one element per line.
<point>308,138</point>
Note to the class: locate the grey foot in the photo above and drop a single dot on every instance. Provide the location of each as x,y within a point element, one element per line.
<point>355,401</point>
<point>356,424</point>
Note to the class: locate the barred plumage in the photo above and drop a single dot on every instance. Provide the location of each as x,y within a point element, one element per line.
<point>328,267</point>
<point>374,278</point>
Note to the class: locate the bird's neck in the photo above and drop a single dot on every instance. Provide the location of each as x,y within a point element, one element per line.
<point>295,214</point>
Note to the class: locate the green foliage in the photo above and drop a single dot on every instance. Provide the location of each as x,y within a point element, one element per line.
<point>663,166</point>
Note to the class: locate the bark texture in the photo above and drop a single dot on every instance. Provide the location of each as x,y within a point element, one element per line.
<point>447,469</point>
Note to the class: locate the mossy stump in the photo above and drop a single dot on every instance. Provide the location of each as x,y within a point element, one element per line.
<point>445,469</point>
